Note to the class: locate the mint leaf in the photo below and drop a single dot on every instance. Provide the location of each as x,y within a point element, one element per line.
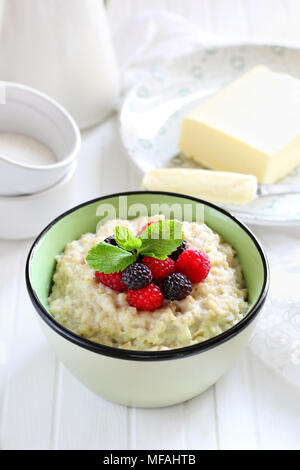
<point>161,238</point>
<point>126,239</point>
<point>109,258</point>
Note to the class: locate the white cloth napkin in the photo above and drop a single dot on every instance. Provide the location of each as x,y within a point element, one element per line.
<point>151,39</point>
<point>276,340</point>
<point>156,38</point>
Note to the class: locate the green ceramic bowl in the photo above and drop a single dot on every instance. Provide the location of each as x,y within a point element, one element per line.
<point>142,378</point>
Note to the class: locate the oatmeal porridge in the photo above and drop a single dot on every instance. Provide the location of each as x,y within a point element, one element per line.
<point>97,312</point>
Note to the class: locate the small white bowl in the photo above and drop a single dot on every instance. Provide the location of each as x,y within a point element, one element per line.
<point>34,114</point>
<point>24,216</point>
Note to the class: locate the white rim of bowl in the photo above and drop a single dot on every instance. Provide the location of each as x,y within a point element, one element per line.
<point>63,111</point>
<point>65,179</point>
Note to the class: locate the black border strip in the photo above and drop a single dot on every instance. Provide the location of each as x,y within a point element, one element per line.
<point>147,355</point>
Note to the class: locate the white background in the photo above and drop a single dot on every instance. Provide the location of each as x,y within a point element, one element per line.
<point>43,406</point>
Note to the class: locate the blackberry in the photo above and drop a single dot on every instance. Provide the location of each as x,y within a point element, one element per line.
<point>175,255</point>
<point>176,287</point>
<point>111,240</point>
<point>137,276</point>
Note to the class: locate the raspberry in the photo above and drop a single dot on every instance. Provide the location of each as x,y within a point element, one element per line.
<point>176,287</point>
<point>114,280</point>
<point>175,255</point>
<point>137,276</point>
<point>144,228</point>
<point>149,298</point>
<point>160,269</point>
<point>111,240</point>
<point>194,264</point>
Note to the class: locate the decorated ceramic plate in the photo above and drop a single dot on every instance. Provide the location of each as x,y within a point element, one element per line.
<point>153,110</point>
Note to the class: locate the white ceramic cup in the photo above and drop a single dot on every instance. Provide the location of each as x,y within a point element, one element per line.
<point>27,111</point>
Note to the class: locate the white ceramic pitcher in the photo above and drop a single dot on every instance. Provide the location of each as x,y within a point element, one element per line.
<point>64,49</point>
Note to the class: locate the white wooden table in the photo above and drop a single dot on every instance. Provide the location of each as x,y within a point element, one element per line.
<point>43,407</point>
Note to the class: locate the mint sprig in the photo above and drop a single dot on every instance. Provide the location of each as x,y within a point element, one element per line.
<point>158,240</point>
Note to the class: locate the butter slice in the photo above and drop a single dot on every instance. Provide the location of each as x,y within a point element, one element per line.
<point>215,186</point>
<point>252,126</point>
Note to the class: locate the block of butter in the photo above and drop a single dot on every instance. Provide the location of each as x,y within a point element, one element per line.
<point>252,126</point>
<point>214,186</point>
